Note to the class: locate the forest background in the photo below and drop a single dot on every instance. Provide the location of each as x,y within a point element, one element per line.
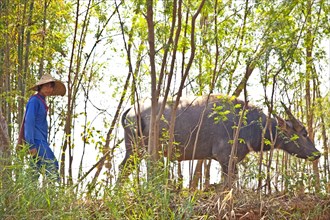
<point>110,54</point>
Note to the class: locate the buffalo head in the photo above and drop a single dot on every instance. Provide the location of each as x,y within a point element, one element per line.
<point>294,139</point>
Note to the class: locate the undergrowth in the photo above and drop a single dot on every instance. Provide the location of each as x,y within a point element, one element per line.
<point>22,197</point>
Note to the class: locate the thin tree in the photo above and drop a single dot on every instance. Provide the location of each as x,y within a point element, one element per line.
<point>70,107</point>
<point>309,40</point>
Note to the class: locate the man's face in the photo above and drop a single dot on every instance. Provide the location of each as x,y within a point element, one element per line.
<point>47,89</point>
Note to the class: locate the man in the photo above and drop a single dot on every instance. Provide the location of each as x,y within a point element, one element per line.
<point>36,126</point>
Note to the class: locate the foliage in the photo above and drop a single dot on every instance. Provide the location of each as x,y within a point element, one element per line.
<point>274,50</point>
<point>139,198</point>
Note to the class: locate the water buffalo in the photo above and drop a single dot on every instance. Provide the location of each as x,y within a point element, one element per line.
<point>220,115</point>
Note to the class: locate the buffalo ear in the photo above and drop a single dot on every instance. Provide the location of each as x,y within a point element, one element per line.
<point>295,123</point>
<point>281,123</point>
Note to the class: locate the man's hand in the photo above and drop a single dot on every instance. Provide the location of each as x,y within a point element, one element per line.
<point>33,151</point>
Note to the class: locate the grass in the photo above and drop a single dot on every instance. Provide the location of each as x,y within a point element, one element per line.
<point>21,197</point>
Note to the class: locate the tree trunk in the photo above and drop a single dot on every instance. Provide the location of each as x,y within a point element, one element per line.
<point>43,42</point>
<point>207,170</point>
<point>197,175</point>
<point>309,76</point>
<point>68,120</point>
<point>5,73</point>
<point>249,69</point>
<point>20,62</point>
<point>326,166</point>
<point>4,151</point>
<point>153,141</point>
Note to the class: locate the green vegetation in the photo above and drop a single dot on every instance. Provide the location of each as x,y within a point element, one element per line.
<point>137,198</point>
<point>111,54</point>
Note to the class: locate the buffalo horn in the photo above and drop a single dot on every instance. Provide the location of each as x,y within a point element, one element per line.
<point>296,124</point>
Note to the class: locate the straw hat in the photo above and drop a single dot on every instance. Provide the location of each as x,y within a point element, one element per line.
<point>59,88</point>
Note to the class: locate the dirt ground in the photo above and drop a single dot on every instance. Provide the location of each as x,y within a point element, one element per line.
<point>249,205</point>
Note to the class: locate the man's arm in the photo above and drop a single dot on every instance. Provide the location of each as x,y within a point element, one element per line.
<point>29,125</point>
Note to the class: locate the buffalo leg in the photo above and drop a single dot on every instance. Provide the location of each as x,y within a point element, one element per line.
<point>225,173</point>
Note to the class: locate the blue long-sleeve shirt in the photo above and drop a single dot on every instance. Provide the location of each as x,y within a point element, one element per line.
<point>35,124</point>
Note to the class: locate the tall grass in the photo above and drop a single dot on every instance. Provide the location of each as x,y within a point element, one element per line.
<point>24,197</point>
<point>139,197</point>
